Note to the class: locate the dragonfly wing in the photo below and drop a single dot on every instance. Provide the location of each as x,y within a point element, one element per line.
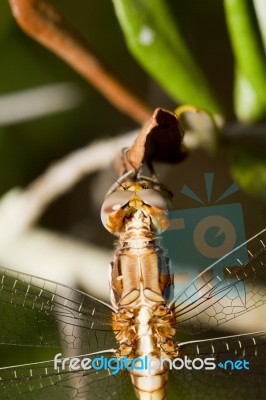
<point>43,382</point>
<point>222,293</point>
<point>224,382</point>
<point>51,314</point>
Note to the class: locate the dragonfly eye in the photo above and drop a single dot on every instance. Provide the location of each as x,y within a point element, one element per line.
<point>153,198</point>
<point>114,202</point>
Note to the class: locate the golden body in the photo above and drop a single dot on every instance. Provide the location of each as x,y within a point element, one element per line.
<point>138,281</point>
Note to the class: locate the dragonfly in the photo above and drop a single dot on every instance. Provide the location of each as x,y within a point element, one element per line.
<point>145,318</point>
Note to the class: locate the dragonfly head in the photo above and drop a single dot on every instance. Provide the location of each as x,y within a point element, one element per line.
<point>131,199</point>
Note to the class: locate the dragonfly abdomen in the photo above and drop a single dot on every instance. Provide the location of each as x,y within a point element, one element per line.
<point>149,383</point>
<point>146,337</point>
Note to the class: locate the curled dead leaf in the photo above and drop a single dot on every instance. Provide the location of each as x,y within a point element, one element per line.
<point>161,139</point>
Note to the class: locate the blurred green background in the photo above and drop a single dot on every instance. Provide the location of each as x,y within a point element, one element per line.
<point>28,147</point>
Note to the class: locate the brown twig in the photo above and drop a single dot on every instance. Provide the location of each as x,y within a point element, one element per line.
<point>41,20</point>
<point>23,208</point>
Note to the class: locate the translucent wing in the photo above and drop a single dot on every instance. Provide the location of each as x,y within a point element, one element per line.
<point>51,314</point>
<point>222,293</point>
<point>221,383</point>
<point>43,382</point>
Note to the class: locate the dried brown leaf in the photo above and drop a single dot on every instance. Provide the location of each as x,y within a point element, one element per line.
<point>159,140</point>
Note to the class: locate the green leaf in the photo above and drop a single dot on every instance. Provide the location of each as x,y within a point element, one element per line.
<point>247,104</point>
<point>250,60</point>
<point>249,171</point>
<point>260,9</point>
<point>156,42</point>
